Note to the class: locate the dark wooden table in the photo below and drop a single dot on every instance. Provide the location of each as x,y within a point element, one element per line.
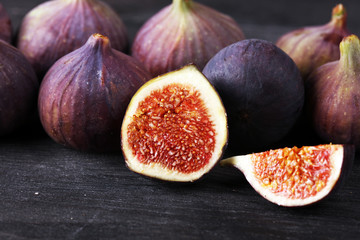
<point>50,192</point>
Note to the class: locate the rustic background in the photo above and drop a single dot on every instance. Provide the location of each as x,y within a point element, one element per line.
<point>51,192</point>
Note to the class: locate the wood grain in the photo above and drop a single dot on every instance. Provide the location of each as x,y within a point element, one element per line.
<point>48,191</point>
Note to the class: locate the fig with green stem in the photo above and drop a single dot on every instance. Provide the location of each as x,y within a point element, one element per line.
<point>333,96</point>
<point>313,46</point>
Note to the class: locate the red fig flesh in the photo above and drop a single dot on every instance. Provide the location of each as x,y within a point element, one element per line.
<point>175,127</point>
<point>295,176</point>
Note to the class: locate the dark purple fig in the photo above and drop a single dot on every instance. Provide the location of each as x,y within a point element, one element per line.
<point>182,33</point>
<point>5,25</point>
<point>311,47</point>
<point>175,127</point>
<point>55,28</point>
<point>18,89</point>
<point>294,177</point>
<point>333,96</point>
<point>84,95</point>
<point>262,91</point>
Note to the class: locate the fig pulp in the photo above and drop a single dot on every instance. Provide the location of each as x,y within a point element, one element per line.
<point>84,95</point>
<point>182,33</point>
<point>262,91</point>
<point>333,96</point>
<point>5,25</point>
<point>175,127</point>
<point>295,176</point>
<point>55,28</point>
<point>18,89</point>
<point>311,47</point>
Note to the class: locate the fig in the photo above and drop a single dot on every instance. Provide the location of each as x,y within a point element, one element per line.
<point>55,28</point>
<point>84,95</point>
<point>312,46</point>
<point>5,25</point>
<point>294,177</point>
<point>262,91</point>
<point>182,33</point>
<point>333,96</point>
<point>175,127</point>
<point>18,89</point>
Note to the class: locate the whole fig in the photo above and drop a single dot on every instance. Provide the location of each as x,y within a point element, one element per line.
<point>311,47</point>
<point>55,28</point>
<point>18,89</point>
<point>333,96</point>
<point>182,33</point>
<point>262,90</point>
<point>84,95</point>
<point>5,25</point>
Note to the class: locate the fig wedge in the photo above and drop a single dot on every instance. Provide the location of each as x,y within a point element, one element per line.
<point>294,177</point>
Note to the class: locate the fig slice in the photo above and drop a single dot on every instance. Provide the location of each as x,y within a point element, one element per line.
<point>175,127</point>
<point>295,176</point>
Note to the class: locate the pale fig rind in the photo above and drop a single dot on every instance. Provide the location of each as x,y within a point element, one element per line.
<point>182,33</point>
<point>313,46</point>
<point>341,161</point>
<point>84,95</point>
<point>55,28</point>
<point>262,91</point>
<point>18,89</point>
<point>333,96</point>
<point>191,77</point>
<point>5,25</point>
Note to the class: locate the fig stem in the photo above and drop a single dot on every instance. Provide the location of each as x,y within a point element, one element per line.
<point>339,16</point>
<point>350,52</point>
<point>232,161</point>
<point>182,5</point>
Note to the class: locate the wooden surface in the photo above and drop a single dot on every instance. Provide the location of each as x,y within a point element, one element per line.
<point>51,192</point>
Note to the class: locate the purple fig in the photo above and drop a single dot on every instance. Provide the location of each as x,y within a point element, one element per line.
<point>18,89</point>
<point>55,28</point>
<point>84,95</point>
<point>311,47</point>
<point>5,25</point>
<point>333,96</point>
<point>182,33</point>
<point>262,90</point>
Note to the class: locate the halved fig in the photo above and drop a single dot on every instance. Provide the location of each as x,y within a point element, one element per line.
<point>175,127</point>
<point>295,176</point>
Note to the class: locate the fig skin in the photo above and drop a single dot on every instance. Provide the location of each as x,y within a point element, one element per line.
<point>182,139</point>
<point>341,162</point>
<point>55,28</point>
<point>182,33</point>
<point>18,89</point>
<point>5,25</point>
<point>84,95</point>
<point>262,91</point>
<point>313,46</point>
<point>332,96</point>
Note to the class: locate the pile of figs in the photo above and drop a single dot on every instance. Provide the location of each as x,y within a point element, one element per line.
<point>188,90</point>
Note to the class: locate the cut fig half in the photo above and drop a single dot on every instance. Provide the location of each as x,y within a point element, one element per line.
<point>295,176</point>
<point>175,127</point>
